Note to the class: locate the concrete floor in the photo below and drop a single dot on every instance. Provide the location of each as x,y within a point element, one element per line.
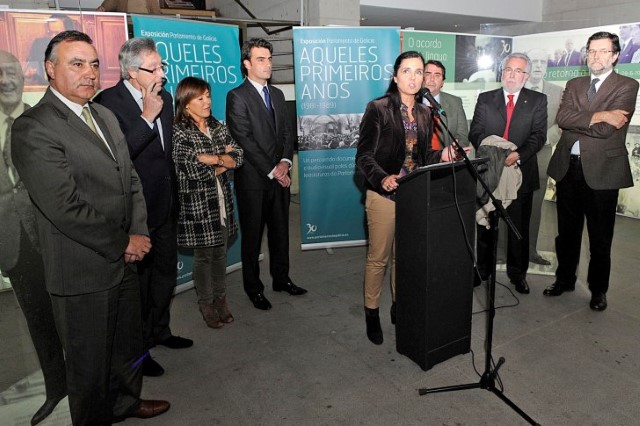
<point>308,361</point>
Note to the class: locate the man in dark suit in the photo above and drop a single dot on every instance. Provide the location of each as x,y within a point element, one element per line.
<point>257,120</point>
<point>590,164</point>
<point>145,113</point>
<point>20,258</point>
<point>571,56</point>
<point>92,228</point>
<point>455,118</point>
<point>628,45</point>
<point>527,129</point>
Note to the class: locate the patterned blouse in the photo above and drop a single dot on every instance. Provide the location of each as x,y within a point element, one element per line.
<point>411,136</point>
<point>199,220</point>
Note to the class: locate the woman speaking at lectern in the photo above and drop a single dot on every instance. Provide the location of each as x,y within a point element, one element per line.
<point>395,135</point>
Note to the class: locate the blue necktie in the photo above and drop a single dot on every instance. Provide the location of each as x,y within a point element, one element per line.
<point>267,101</point>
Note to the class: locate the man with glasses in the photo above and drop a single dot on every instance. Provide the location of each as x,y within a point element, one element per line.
<point>455,118</point>
<point>519,115</point>
<point>144,111</point>
<point>590,164</point>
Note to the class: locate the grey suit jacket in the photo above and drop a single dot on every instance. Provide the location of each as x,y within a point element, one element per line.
<point>87,202</point>
<point>456,119</point>
<point>252,127</point>
<point>604,156</point>
<point>16,214</point>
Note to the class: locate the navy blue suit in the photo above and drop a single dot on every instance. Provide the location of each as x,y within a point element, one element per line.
<point>265,141</point>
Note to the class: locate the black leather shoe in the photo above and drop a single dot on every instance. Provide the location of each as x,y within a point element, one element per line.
<point>151,368</point>
<point>260,302</point>
<point>290,288</point>
<point>598,302</point>
<point>557,288</point>
<point>46,409</point>
<point>538,260</point>
<point>521,286</point>
<point>176,342</point>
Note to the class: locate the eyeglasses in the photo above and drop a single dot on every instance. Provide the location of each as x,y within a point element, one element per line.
<point>592,52</point>
<point>509,70</point>
<point>162,67</point>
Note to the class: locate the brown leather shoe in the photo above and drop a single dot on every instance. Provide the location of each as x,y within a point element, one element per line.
<point>150,408</point>
<point>210,315</point>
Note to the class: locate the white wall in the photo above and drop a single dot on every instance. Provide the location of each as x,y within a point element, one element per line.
<point>572,14</point>
<point>529,10</point>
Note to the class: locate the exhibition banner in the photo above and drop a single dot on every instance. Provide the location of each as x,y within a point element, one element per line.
<point>197,49</point>
<point>337,72</point>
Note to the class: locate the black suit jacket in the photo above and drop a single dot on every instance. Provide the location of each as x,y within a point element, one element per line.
<point>153,164</point>
<point>88,202</point>
<point>263,142</point>
<point>528,129</point>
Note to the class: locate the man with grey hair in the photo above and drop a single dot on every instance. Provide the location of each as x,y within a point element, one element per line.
<point>144,111</point>
<point>519,115</point>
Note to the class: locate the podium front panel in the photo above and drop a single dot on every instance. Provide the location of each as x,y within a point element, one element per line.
<point>435,218</point>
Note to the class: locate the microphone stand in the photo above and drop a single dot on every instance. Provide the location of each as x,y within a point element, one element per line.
<point>490,374</point>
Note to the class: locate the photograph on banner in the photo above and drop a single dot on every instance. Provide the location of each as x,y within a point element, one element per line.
<point>479,57</point>
<point>629,198</point>
<point>24,36</point>
<point>328,132</point>
<point>337,71</point>
<point>470,70</point>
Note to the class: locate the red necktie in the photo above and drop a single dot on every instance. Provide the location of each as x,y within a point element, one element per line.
<point>435,139</point>
<point>510,108</point>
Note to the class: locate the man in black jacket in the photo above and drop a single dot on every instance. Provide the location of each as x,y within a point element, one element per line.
<point>145,114</point>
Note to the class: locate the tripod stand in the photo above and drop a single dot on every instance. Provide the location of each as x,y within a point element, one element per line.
<point>490,374</point>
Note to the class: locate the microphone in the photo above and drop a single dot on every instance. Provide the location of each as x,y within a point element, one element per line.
<point>426,93</point>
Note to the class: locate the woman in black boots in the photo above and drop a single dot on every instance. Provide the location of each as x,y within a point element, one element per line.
<point>395,135</point>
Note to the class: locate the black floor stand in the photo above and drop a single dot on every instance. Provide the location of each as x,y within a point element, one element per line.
<point>488,379</point>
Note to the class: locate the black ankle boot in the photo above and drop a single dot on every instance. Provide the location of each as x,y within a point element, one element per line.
<point>393,313</point>
<point>46,409</point>
<point>374,331</point>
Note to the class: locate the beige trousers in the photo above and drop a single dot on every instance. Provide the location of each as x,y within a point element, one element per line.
<point>381,221</point>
